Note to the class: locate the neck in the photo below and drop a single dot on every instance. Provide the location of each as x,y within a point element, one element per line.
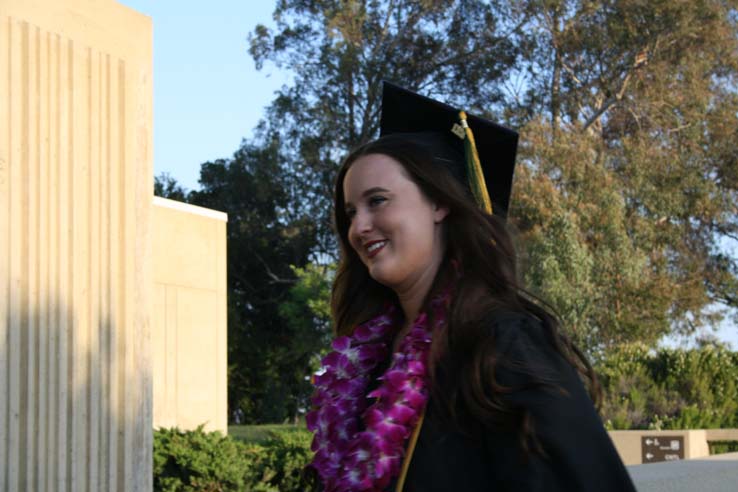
<point>411,296</point>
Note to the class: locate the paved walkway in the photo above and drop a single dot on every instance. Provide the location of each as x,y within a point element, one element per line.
<point>718,473</point>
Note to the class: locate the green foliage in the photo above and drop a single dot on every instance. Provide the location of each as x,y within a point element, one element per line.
<point>670,388</point>
<point>194,461</point>
<point>721,447</point>
<point>278,464</point>
<point>259,434</point>
<point>198,461</point>
<point>338,53</point>
<point>627,183</point>
<point>306,311</point>
<point>166,186</point>
<point>312,290</point>
<point>268,359</point>
<point>626,117</point>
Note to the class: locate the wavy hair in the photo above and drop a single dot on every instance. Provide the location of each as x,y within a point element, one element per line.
<point>478,245</point>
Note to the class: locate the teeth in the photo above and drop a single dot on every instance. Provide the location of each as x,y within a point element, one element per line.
<point>375,246</point>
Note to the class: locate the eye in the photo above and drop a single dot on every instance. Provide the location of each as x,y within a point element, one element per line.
<point>376,200</point>
<point>350,212</point>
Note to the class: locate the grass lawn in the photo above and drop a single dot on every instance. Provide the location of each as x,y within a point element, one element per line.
<point>258,433</point>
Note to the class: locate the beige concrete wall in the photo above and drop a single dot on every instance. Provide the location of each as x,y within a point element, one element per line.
<point>75,275</point>
<point>190,326</point>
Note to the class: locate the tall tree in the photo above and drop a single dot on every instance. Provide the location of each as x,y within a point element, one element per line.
<point>626,188</point>
<point>629,148</point>
<point>166,186</point>
<point>339,51</point>
<point>267,359</point>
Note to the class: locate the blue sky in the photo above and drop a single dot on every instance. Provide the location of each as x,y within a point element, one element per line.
<point>208,95</point>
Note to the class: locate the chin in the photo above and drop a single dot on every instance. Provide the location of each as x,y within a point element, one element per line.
<point>382,276</point>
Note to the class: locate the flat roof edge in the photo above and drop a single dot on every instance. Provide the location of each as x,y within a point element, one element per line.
<point>190,209</point>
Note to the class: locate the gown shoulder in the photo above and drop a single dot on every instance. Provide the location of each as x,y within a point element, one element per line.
<point>572,449</point>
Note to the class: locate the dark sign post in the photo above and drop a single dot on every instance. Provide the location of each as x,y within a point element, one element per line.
<point>662,448</point>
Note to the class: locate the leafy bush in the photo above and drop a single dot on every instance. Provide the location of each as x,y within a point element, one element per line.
<point>259,434</point>
<point>198,461</point>
<point>190,461</point>
<point>277,465</point>
<point>721,447</point>
<point>669,388</point>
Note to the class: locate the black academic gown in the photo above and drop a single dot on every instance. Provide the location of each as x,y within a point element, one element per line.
<point>579,455</point>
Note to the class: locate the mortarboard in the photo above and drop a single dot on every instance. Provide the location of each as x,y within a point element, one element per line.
<point>441,128</point>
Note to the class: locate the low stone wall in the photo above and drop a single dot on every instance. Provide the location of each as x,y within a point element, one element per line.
<point>648,446</point>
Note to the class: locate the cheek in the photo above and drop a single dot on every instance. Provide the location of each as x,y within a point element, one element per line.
<point>352,239</point>
<point>420,242</point>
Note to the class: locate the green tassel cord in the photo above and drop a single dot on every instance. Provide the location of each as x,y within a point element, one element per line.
<point>474,168</point>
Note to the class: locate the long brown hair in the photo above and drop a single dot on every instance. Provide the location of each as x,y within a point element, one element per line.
<point>482,248</point>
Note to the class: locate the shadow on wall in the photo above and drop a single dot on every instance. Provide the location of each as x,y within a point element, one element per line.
<point>77,389</point>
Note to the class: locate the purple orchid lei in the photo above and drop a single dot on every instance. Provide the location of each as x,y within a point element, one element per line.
<point>347,458</point>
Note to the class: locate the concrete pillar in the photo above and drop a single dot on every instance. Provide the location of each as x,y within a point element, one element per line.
<point>75,206</point>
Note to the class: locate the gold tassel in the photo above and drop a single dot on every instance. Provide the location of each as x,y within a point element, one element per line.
<point>409,453</point>
<point>474,168</point>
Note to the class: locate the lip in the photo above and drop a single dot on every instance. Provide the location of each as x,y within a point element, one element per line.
<point>373,253</point>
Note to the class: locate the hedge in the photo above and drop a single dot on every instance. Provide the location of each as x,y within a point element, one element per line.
<point>199,461</point>
<point>669,388</point>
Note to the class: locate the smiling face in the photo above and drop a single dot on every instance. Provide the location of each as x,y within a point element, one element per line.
<point>394,228</point>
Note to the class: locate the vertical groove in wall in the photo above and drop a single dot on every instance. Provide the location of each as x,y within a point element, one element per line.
<point>70,284</point>
<point>95,325</point>
<point>122,319</point>
<point>60,377</point>
<point>23,411</point>
<point>89,306</point>
<point>14,186</point>
<point>37,265</point>
<point>104,269</point>
<point>54,249</point>
<point>175,330</point>
<point>5,222</point>
<point>114,309</point>
<point>63,165</point>
<point>45,318</point>
<point>167,360</point>
<point>79,389</point>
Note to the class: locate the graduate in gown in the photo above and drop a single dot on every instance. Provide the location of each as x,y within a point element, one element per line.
<point>445,375</point>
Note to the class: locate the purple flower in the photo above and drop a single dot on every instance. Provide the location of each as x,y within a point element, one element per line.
<point>324,380</point>
<point>401,414</point>
<point>341,344</point>
<point>351,461</point>
<point>416,368</point>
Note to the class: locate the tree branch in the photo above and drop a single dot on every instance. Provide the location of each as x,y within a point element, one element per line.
<point>640,59</point>
<point>275,279</point>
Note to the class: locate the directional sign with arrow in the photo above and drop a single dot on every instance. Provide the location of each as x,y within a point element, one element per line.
<point>662,448</point>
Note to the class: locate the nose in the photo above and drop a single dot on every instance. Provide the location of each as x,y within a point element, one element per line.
<point>361,224</point>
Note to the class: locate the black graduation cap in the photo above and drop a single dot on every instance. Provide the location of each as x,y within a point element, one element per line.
<point>439,127</point>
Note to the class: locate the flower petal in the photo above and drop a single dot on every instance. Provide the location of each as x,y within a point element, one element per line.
<point>341,344</point>
<point>401,414</point>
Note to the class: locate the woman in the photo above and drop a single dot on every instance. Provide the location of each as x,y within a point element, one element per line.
<point>445,375</point>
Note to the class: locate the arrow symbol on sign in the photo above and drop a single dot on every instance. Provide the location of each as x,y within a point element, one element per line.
<point>649,442</point>
<point>649,456</point>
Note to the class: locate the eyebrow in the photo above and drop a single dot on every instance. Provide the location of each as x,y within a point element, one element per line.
<point>376,189</point>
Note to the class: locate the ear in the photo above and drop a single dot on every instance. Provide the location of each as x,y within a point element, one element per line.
<point>439,213</point>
